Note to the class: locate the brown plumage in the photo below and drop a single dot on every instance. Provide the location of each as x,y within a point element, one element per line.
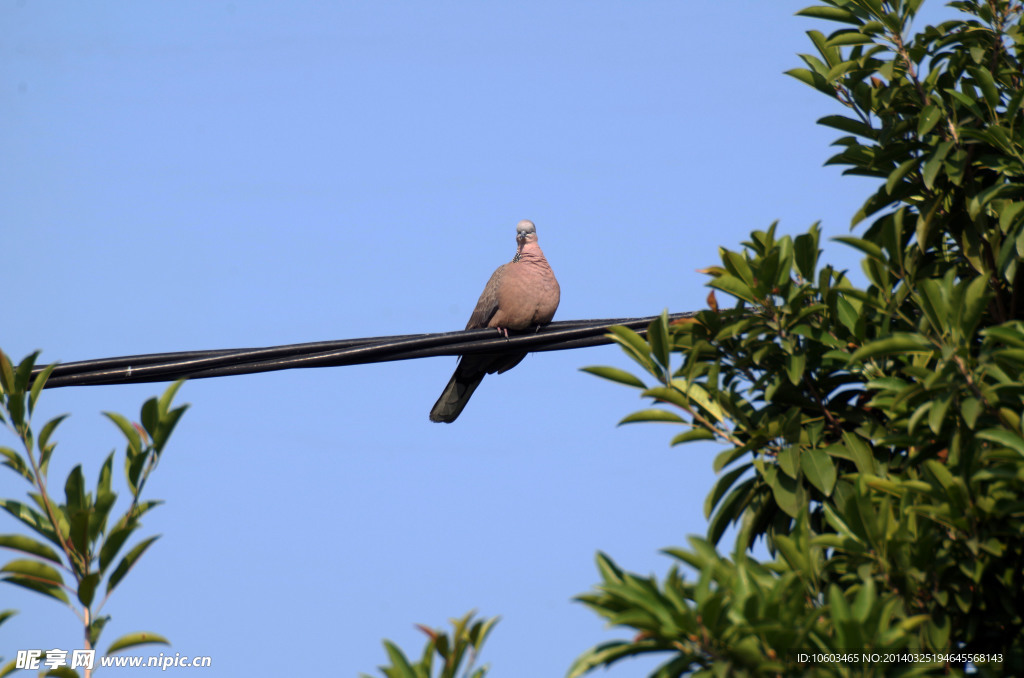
<point>520,294</point>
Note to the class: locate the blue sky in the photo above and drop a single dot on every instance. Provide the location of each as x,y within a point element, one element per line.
<point>197,175</point>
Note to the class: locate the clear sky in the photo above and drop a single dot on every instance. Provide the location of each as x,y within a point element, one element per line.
<point>196,175</point>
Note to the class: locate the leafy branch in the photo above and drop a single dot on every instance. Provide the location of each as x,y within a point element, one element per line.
<point>89,548</point>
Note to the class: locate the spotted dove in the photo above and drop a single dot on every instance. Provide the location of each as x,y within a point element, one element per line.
<point>520,294</point>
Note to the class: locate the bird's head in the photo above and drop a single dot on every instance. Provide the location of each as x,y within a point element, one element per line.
<point>525,232</point>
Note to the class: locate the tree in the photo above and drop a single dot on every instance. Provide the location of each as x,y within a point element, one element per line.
<point>455,654</point>
<point>874,435</point>
<point>78,537</point>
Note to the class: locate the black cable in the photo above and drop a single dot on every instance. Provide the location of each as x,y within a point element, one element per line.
<point>223,362</point>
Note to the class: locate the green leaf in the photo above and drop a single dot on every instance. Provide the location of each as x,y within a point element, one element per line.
<point>150,417</point>
<point>937,413</point>
<point>795,364</point>
<point>30,517</point>
<point>9,668</point>
<point>734,286</point>
<point>806,252</point>
<point>738,266</point>
<point>896,176</point>
<point>785,490</point>
<point>606,654</point>
<point>721,486</point>
<point>1009,213</point>
<point>34,569</point>
<point>610,572</point>
<point>866,246</point>
<point>815,80</point>
<point>652,414</point>
<point>634,346</point>
<point>726,457</point>
<point>128,562</point>
<point>6,614</point>
<point>976,299</point>
<point>167,418</point>
<point>837,521</point>
<point>96,628</point>
<point>18,542</point>
<point>863,601</point>
<point>839,607</point>
<point>848,315</point>
<point>1003,437</point>
<point>481,630</point>
<point>683,394</point>
<point>970,408</point>
<point>1007,334</point>
<point>616,375</point>
<point>135,639</point>
<point>927,120</point>
<point>854,449</point>
<point>43,441</point>
<point>731,508</point>
<point>106,474</point>
<point>74,490</point>
<point>796,558</point>
<point>953,486</point>
<point>831,14</point>
<point>128,430</point>
<point>78,530</point>
<point>35,576</point>
<point>965,101</point>
<point>133,466</point>
<point>6,374</point>
<point>1013,105</point>
<point>16,462</point>
<point>691,436</point>
<point>848,37</point>
<point>987,84</point>
<point>895,344</point>
<point>168,395</point>
<point>850,125</point>
<point>87,588</point>
<point>886,485</point>
<point>934,163</point>
<point>657,338</point>
<point>24,372</point>
<point>37,386</point>
<point>788,461</point>
<point>400,666</point>
<point>819,469</point>
<point>831,55</point>
<point>113,542</point>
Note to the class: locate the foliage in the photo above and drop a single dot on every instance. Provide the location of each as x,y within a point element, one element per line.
<point>78,537</point>
<point>875,438</point>
<point>463,645</point>
<point>4,616</point>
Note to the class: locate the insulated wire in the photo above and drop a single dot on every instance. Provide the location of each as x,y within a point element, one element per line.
<point>205,364</point>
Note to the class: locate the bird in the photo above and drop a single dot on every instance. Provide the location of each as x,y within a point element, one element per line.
<point>520,294</point>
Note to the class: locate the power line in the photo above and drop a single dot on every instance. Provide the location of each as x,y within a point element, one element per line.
<point>152,367</point>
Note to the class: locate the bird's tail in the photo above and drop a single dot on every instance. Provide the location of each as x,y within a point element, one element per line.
<point>454,397</point>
